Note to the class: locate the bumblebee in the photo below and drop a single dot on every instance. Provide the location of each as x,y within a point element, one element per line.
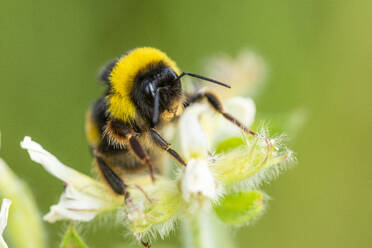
<point>123,127</point>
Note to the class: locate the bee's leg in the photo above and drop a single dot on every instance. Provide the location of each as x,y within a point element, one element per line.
<point>125,135</point>
<point>217,105</point>
<point>141,154</point>
<point>159,141</point>
<point>145,244</point>
<point>115,182</point>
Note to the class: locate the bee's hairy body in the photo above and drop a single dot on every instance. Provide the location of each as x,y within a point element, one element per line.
<point>122,127</point>
<point>116,154</point>
<point>119,125</point>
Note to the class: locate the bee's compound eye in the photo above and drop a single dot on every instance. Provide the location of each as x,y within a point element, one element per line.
<point>172,75</point>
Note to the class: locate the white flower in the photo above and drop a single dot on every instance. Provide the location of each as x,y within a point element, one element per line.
<point>83,198</point>
<point>200,127</point>
<point>4,220</point>
<point>75,205</point>
<point>198,179</point>
<point>194,141</point>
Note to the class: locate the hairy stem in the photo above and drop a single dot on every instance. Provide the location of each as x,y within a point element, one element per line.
<point>204,230</point>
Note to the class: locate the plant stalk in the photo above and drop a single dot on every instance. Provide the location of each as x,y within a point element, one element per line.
<point>204,230</point>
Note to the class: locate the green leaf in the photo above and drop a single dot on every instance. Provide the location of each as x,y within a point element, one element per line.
<point>72,239</point>
<point>240,208</point>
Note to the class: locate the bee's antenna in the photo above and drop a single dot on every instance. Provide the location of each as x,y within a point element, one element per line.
<point>203,78</point>
<point>155,117</point>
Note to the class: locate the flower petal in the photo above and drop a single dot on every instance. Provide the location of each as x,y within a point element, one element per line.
<point>53,165</point>
<point>75,205</point>
<point>83,198</point>
<point>198,179</point>
<point>194,141</point>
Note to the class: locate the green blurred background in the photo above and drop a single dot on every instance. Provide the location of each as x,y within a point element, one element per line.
<point>319,56</point>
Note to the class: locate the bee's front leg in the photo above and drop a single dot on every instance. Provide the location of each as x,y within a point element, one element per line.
<point>163,144</point>
<point>217,105</point>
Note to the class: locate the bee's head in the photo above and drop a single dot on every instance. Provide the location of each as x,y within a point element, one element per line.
<point>136,80</point>
<point>145,82</point>
<point>157,93</point>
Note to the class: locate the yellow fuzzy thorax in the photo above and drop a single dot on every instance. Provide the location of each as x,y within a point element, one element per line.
<point>123,75</point>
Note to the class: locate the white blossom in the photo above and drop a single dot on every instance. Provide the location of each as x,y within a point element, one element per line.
<point>75,205</point>
<point>198,179</point>
<point>194,140</point>
<point>200,128</point>
<point>83,198</point>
